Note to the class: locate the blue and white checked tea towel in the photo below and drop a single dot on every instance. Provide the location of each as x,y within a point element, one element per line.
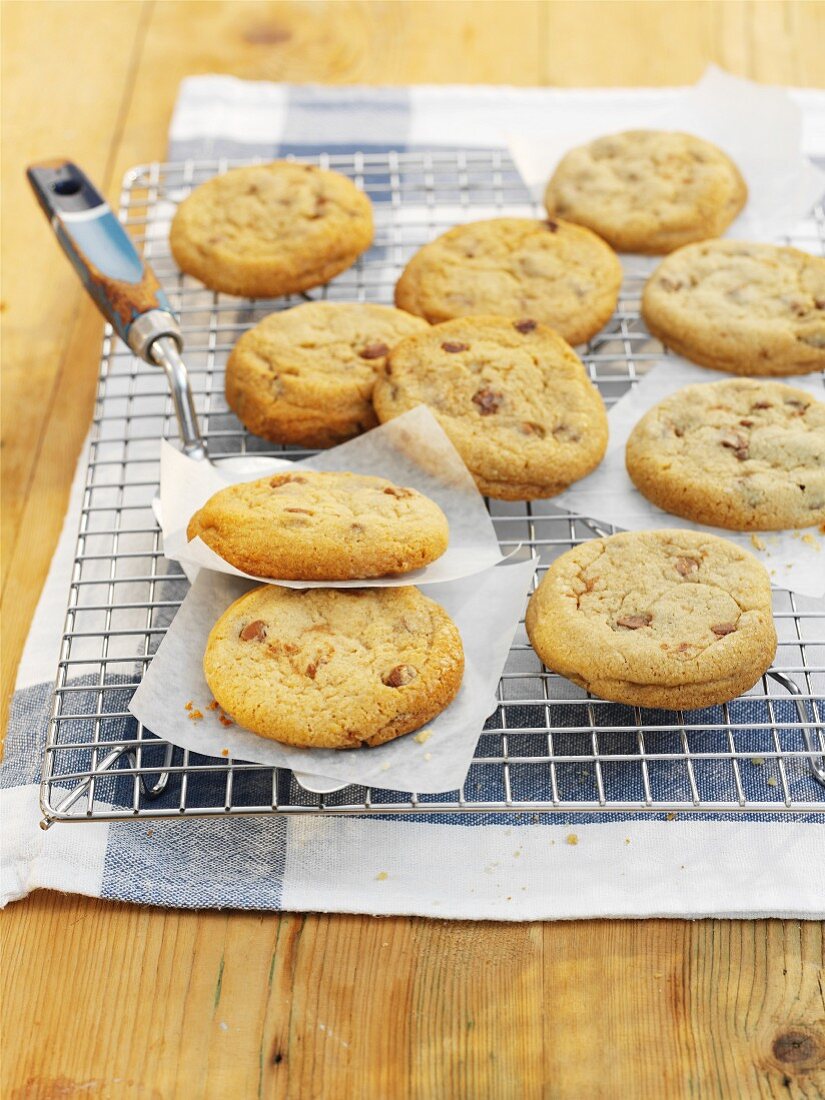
<point>466,866</point>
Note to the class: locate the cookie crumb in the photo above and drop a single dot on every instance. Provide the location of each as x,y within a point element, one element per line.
<point>195,715</point>
<point>214,705</point>
<point>382,875</point>
<point>627,840</point>
<point>757,761</point>
<point>428,756</point>
<point>189,705</point>
<point>224,752</point>
<point>571,838</point>
<point>224,721</point>
<point>671,816</point>
<point>757,543</point>
<point>812,540</point>
<point>772,781</point>
<point>422,736</point>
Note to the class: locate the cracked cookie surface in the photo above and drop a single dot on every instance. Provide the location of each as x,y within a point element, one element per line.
<point>309,525</point>
<point>647,191</point>
<point>271,229</point>
<point>334,668</point>
<point>306,375</point>
<point>553,271</point>
<point>740,307</point>
<point>744,454</point>
<point>512,396</point>
<point>673,619</point>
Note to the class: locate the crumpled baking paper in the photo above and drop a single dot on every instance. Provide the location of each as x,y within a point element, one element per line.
<point>759,127</point>
<point>411,451</point>
<point>486,608</point>
<point>795,560</point>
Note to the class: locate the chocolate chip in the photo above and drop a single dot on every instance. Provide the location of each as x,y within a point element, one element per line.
<point>312,668</point>
<point>286,479</point>
<point>762,405</point>
<point>527,427</point>
<point>488,402</point>
<point>737,443</point>
<point>819,303</point>
<point>686,566</point>
<point>721,629</point>
<point>374,351</point>
<point>746,423</point>
<point>399,676</point>
<point>634,622</point>
<point>453,346</point>
<point>566,432</point>
<point>253,632</point>
<point>551,225</point>
<point>801,406</point>
<point>525,326</point>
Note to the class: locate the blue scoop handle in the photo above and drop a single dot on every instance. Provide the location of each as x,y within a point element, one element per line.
<point>122,285</point>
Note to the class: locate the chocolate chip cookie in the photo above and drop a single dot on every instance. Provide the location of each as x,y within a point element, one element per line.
<point>673,619</point>
<point>647,190</point>
<point>309,526</point>
<point>306,375</point>
<point>334,668</point>
<point>743,454</point>
<point>512,396</point>
<point>271,229</point>
<point>739,307</point>
<point>552,271</point>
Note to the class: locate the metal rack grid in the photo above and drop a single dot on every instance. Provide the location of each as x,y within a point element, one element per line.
<point>548,747</point>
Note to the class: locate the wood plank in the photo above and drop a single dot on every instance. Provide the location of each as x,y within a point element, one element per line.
<point>51,331</point>
<point>661,42</point>
<point>141,1002</point>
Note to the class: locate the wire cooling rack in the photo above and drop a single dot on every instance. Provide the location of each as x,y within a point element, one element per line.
<point>548,747</point>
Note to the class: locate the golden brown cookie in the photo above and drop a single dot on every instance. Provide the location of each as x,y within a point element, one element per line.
<point>744,454</point>
<point>673,619</point>
<point>647,190</point>
<point>271,229</point>
<point>306,375</point>
<point>313,526</point>
<point>552,271</point>
<point>334,668</point>
<point>740,307</point>
<point>512,396</point>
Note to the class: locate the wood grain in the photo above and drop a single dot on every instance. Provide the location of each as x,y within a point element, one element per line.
<point>110,1001</point>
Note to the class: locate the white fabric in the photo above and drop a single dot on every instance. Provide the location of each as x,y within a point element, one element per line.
<point>529,870</point>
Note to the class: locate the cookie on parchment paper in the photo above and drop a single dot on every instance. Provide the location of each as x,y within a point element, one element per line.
<point>745,454</point>
<point>334,668</point>
<point>647,191</point>
<point>672,619</point>
<point>740,307</point>
<point>321,526</point>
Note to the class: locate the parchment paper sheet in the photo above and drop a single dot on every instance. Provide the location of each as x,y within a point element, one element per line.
<point>794,559</point>
<point>486,608</point>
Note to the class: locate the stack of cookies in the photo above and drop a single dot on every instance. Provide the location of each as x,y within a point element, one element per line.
<point>329,667</point>
<point>482,332</point>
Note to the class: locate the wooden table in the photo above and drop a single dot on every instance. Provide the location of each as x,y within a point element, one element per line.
<point>119,1002</point>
